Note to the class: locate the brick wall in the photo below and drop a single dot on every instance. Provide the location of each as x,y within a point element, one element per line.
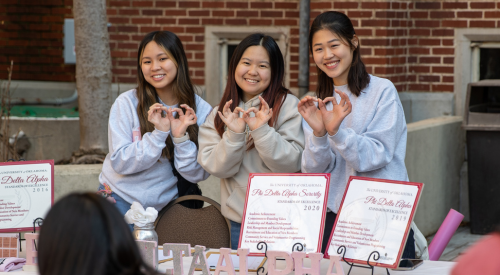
<point>411,43</point>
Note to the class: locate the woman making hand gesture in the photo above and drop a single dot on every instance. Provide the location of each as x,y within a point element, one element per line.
<point>356,125</point>
<point>255,129</point>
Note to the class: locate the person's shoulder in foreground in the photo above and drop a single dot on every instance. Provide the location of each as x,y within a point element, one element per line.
<point>481,258</point>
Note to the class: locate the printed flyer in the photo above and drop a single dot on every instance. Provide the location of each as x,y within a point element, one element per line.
<point>375,215</point>
<point>26,193</point>
<point>284,209</point>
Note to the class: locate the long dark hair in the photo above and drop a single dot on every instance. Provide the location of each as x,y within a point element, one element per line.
<point>182,87</point>
<point>85,234</point>
<point>339,24</point>
<point>274,95</point>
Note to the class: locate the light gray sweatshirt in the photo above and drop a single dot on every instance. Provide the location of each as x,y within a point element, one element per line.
<point>371,141</point>
<point>136,171</point>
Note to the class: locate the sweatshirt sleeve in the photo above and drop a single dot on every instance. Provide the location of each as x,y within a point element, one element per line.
<point>220,157</point>
<point>281,149</point>
<point>318,156</point>
<point>374,148</point>
<point>131,157</point>
<point>186,153</point>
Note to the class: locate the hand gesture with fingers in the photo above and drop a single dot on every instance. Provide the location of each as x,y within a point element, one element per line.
<point>180,125</point>
<point>312,115</point>
<point>156,115</point>
<point>332,119</point>
<point>232,119</point>
<point>261,117</point>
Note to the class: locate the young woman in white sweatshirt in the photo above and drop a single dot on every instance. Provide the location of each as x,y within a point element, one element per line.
<point>355,126</point>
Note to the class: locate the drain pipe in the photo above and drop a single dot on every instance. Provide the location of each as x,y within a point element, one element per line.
<point>304,48</point>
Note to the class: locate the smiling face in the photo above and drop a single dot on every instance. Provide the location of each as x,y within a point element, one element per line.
<point>332,55</point>
<point>253,72</point>
<point>158,68</point>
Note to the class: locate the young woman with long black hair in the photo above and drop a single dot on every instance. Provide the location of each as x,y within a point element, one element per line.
<point>359,128</point>
<point>153,129</point>
<point>255,129</point>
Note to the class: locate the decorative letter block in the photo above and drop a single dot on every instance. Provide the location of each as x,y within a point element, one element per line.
<point>199,261</point>
<point>243,255</point>
<point>335,261</point>
<point>225,255</point>
<point>271,266</point>
<point>298,257</point>
<point>149,252</point>
<point>31,252</point>
<point>177,250</point>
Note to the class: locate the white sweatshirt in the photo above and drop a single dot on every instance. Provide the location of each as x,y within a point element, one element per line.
<point>136,171</point>
<point>371,141</point>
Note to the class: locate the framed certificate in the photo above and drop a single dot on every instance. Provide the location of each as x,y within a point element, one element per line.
<point>284,209</point>
<point>375,215</point>
<point>26,193</point>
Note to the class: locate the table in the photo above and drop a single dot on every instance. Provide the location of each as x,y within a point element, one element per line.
<point>427,268</point>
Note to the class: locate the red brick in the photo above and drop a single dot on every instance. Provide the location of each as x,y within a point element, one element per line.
<point>173,29</point>
<point>111,11</point>
<point>454,23</point>
<point>384,70</point>
<point>292,14</point>
<point>419,69</point>
<point>470,14</point>
<point>428,5</point>
<point>448,78</point>
<point>166,4</point>
<point>427,23</point>
<point>428,78</point>
<point>454,5</point>
<point>419,87</point>
<point>376,5</point>
<point>273,14</point>
<point>429,60</point>
<point>142,21</point>
<point>481,24</point>
<point>360,14</point>
<point>199,55</point>
<point>213,4</point>
<point>127,29</point>
<point>384,32</point>
<point>375,23</point>
<point>152,12</point>
<point>142,3</point>
<point>121,37</point>
<point>442,14</point>
<point>420,32</point>
<point>195,47</point>
<point>238,21</point>
<point>320,5</point>
<point>345,5</point>
<point>247,13</point>
<point>261,5</point>
<point>429,42</point>
<point>447,42</point>
<point>176,12</point>
<point>119,54</point>
<point>148,29</point>
<point>119,3</point>
<point>443,51</point>
<point>261,22</point>
<point>419,14</point>
<point>189,4</point>
<point>285,5</point>
<point>419,50</point>
<point>440,69</point>
<point>212,21</point>
<point>223,13</point>
<point>386,14</point>
<point>195,29</point>
<point>237,5</point>
<point>492,14</point>
<point>199,13</point>
<point>128,12</point>
<point>167,21</point>
<point>189,21</point>
<point>119,20</point>
<point>442,88</point>
<point>443,32</point>
<point>482,5</point>
<point>286,22</point>
<point>61,11</point>
<point>375,42</point>
<point>364,32</point>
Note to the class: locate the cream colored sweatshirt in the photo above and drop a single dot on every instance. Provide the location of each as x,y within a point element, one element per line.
<point>278,149</point>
